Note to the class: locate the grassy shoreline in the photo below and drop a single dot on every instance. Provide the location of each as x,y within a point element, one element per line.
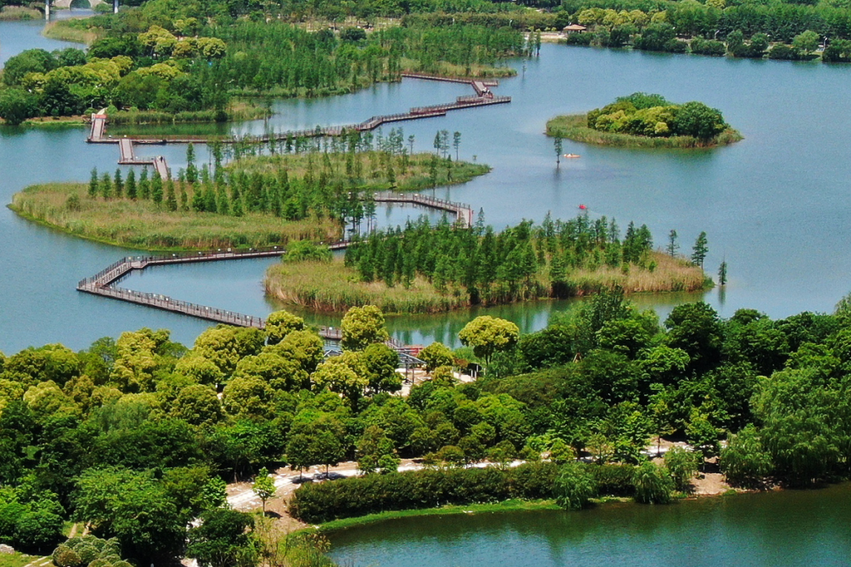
<point>331,287</point>
<point>574,127</point>
<point>512,505</point>
<point>19,13</point>
<point>145,226</point>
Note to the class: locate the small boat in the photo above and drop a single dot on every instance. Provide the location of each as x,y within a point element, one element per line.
<point>583,208</point>
<point>571,156</point>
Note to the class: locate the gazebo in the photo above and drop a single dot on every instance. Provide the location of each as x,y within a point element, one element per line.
<point>574,28</point>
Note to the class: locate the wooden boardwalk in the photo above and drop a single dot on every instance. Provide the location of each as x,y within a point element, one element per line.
<point>102,284</point>
<point>483,97</point>
<point>463,213</point>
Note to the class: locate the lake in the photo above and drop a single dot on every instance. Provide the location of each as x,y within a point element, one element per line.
<point>774,206</point>
<point>785,529</point>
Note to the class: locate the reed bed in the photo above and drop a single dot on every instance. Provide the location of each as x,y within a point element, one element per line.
<point>11,13</point>
<point>575,127</point>
<point>333,287</point>
<point>145,225</point>
<point>446,69</point>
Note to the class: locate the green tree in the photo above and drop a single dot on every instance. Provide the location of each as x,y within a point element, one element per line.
<point>16,105</point>
<point>93,184</point>
<point>223,539</point>
<point>362,326</point>
<point>698,120</point>
<point>130,185</point>
<point>436,355</point>
<point>722,273</point>
<point>672,243</point>
<point>557,143</point>
<point>806,42</point>
<point>700,249</point>
<point>744,461</point>
<point>264,487</point>
<point>279,324</point>
<point>489,335</point>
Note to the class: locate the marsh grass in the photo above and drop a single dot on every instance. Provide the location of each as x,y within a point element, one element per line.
<point>452,70</point>
<point>9,13</point>
<point>333,287</point>
<point>575,127</point>
<point>144,225</point>
<point>71,30</point>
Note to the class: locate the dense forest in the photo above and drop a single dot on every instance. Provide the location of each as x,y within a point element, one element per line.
<point>144,423</point>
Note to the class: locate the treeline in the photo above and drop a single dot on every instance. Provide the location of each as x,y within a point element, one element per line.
<point>521,262</point>
<point>776,30</point>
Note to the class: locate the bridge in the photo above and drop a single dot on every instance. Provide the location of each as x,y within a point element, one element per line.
<point>463,213</point>
<point>102,284</point>
<point>67,4</point>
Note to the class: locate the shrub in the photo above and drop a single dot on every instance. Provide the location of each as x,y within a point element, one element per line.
<point>615,480</point>
<point>682,465</point>
<point>652,484</point>
<point>744,461</point>
<point>574,486</point>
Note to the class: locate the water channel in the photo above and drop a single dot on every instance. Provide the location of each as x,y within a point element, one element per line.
<point>774,206</point>
<point>787,529</point>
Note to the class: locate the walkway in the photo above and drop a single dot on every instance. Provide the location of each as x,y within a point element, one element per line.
<point>463,213</point>
<point>483,97</point>
<point>102,284</point>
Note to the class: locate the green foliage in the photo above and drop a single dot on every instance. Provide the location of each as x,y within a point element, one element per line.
<point>682,465</point>
<point>301,250</point>
<point>575,485</point>
<point>264,486</point>
<point>222,540</point>
<point>489,335</point>
<point>653,484</point>
<point>744,461</point>
<point>363,326</point>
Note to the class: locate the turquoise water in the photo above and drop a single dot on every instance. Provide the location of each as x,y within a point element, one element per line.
<point>774,206</point>
<point>788,529</point>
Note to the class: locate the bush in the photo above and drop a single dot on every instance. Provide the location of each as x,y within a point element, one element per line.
<point>615,480</point>
<point>682,465</point>
<point>744,461</point>
<point>652,484</point>
<point>575,486</point>
<point>583,39</point>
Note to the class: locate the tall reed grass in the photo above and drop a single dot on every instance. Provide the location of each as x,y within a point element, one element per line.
<point>333,287</point>
<point>145,225</point>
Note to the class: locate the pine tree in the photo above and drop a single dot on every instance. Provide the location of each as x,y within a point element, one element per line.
<point>191,170</point>
<point>93,184</point>
<point>130,185</point>
<point>106,186</point>
<point>157,189</point>
<point>170,197</point>
<point>672,243</point>
<point>144,185</point>
<point>558,147</point>
<point>118,184</point>
<point>701,248</point>
<point>722,273</point>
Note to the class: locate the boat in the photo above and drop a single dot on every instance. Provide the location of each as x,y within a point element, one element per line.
<point>571,156</point>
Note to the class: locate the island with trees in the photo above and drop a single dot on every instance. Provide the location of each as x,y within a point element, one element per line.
<point>307,189</point>
<point>643,120</point>
<point>428,268</point>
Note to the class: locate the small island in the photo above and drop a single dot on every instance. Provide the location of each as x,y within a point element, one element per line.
<point>643,120</point>
<point>425,268</point>
<point>257,201</point>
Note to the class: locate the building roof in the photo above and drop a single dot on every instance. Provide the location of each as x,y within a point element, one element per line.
<point>575,27</point>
